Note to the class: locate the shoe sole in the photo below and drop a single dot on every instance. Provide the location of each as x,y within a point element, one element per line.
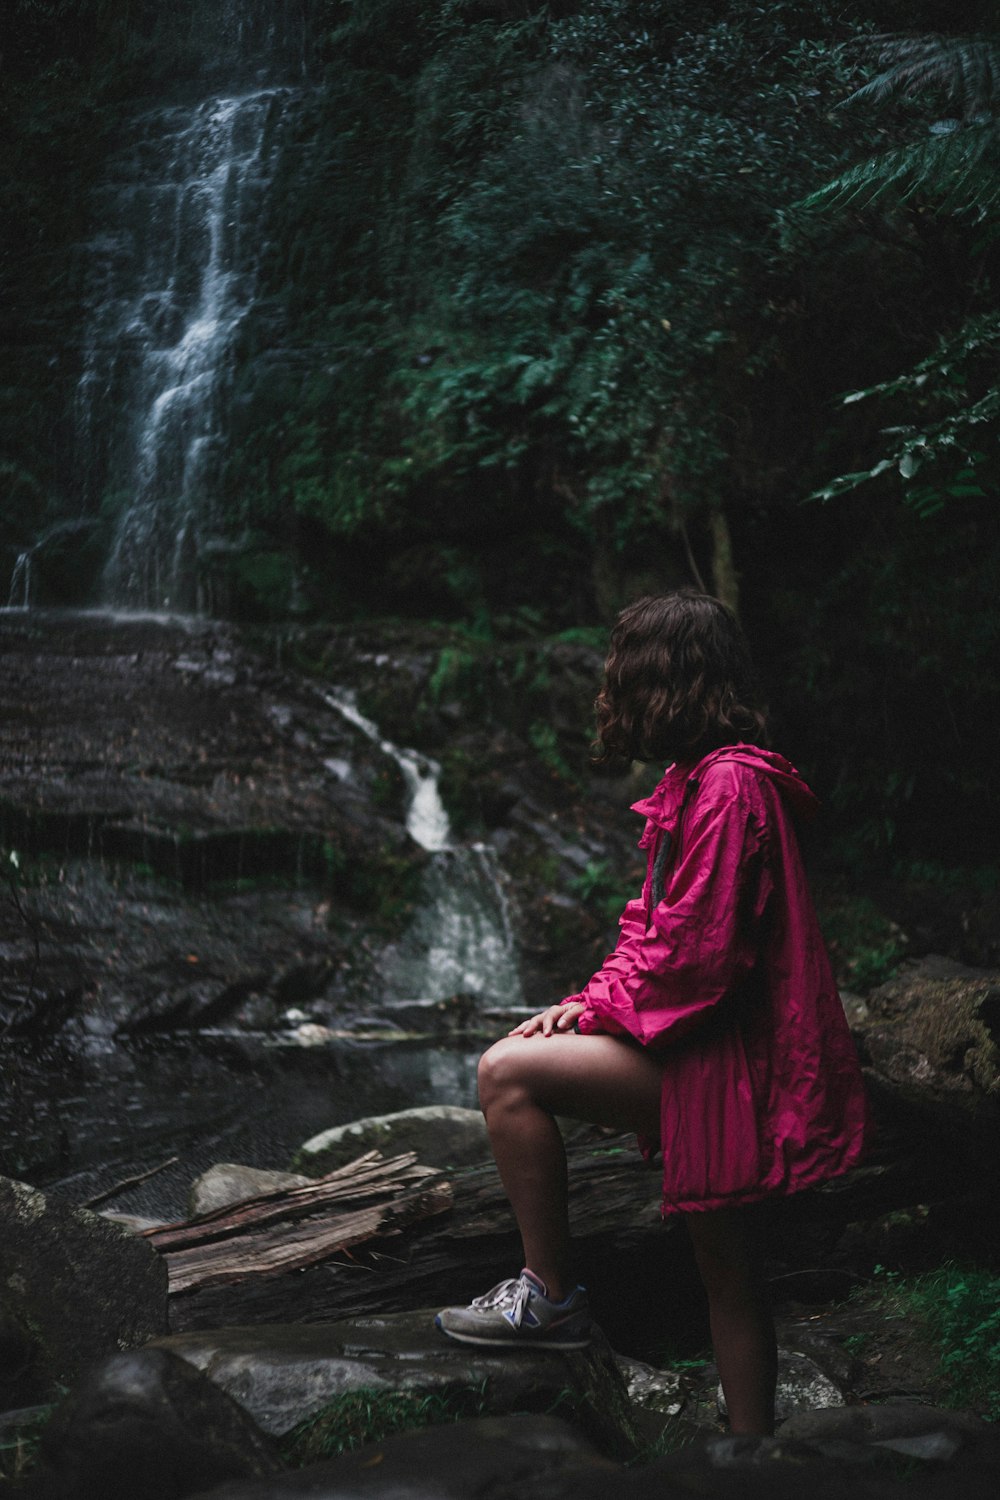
<point>516,1342</point>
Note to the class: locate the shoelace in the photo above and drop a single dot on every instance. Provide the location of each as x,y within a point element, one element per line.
<point>512,1294</point>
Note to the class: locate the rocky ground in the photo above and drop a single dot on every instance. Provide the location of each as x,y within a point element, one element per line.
<point>245,1411</point>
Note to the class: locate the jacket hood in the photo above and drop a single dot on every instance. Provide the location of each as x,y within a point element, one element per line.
<point>800,799</point>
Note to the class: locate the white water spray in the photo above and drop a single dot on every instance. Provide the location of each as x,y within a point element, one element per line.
<point>460,939</point>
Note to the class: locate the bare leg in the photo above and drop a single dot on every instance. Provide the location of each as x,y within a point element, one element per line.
<point>726,1247</point>
<point>523,1083</point>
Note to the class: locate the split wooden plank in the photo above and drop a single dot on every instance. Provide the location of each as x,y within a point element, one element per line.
<point>369,1176</point>
<point>275,1252</point>
<point>290,1229</point>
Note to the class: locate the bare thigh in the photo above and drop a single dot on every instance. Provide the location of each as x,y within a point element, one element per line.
<point>601,1079</point>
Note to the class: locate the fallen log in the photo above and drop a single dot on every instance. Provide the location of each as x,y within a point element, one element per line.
<point>622,1246</point>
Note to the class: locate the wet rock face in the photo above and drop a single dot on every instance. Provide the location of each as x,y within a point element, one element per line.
<point>217,843</point>
<point>186,849</point>
<point>72,1286</point>
<point>147,1423</point>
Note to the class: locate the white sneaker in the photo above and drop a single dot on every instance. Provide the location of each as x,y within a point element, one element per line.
<point>520,1311</point>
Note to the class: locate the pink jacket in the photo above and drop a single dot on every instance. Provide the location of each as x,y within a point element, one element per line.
<point>725,972</point>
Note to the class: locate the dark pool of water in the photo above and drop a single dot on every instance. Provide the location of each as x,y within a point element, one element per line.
<point>74,1124</point>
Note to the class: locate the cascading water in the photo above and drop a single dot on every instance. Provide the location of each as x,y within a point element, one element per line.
<point>20,581</point>
<point>426,819</point>
<point>171,276</point>
<point>460,940</point>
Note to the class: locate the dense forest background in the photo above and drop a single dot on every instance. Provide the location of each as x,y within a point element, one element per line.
<point>553,309</point>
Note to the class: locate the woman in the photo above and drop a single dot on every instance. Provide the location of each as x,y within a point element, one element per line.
<point>714,1030</point>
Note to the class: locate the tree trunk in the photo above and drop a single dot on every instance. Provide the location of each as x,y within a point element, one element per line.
<point>724,574</point>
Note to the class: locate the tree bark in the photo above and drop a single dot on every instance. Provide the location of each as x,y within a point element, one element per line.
<point>724,574</point>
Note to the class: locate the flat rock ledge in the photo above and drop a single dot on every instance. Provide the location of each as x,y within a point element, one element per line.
<point>283,1375</point>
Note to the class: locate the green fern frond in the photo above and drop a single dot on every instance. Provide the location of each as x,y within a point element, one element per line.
<point>941,383</point>
<point>967,68</point>
<point>960,171</point>
<point>945,369</point>
<point>916,448</point>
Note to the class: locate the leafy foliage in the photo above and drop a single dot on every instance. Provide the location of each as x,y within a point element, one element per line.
<point>960,1308</point>
<point>954,379</point>
<point>539,299</point>
<point>19,1448</point>
<point>958,168</point>
<point>866,946</point>
<point>953,173</point>
<point>542,324</point>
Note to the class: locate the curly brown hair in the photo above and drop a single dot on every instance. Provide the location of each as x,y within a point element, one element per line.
<point>678,682</point>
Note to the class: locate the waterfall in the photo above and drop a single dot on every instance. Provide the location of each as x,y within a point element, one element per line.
<point>171,275</point>
<point>460,940</point>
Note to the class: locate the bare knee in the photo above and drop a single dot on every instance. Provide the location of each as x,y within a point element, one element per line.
<point>500,1072</point>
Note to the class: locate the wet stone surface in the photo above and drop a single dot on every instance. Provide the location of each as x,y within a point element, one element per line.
<point>215,881</point>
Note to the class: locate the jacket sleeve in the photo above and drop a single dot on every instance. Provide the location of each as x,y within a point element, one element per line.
<point>632,925</point>
<point>702,939</point>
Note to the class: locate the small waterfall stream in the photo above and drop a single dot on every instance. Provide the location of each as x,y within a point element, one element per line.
<point>426,819</point>
<point>460,940</point>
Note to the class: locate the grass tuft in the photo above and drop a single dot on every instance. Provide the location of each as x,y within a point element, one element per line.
<point>369,1415</point>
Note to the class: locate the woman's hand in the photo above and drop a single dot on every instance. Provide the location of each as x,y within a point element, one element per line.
<point>556,1018</point>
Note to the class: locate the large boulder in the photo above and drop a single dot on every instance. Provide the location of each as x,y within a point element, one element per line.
<point>72,1287</point>
<point>286,1374</point>
<point>931,1047</point>
<point>147,1424</point>
<point>490,1458</point>
<point>230,1182</point>
<point>442,1135</point>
